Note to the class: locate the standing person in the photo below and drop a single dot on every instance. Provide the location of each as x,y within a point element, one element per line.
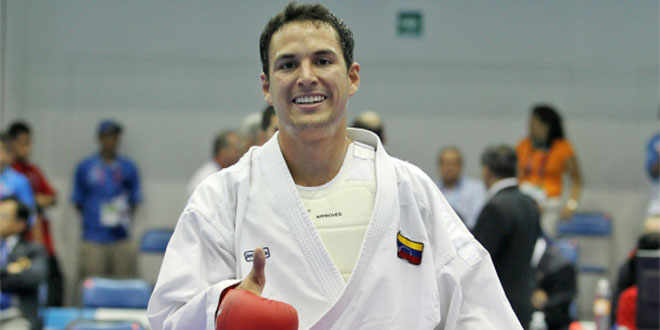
<point>12,182</point>
<point>353,238</point>
<point>465,194</point>
<point>106,192</point>
<point>508,227</point>
<point>20,135</point>
<point>23,268</point>
<point>653,170</point>
<point>544,157</point>
<point>226,151</point>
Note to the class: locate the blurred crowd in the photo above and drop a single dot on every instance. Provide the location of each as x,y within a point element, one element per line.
<point>513,210</point>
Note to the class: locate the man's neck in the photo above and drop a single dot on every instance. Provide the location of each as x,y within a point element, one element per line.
<point>108,156</point>
<point>450,184</point>
<point>314,162</point>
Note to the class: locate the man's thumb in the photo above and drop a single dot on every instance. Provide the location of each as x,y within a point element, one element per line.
<point>256,279</point>
<point>257,274</point>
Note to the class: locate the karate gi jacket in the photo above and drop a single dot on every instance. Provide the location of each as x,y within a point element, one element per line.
<point>450,283</point>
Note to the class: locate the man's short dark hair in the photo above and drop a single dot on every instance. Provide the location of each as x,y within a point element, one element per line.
<point>17,128</point>
<point>501,161</point>
<point>294,12</point>
<point>221,141</point>
<point>22,211</point>
<point>267,117</point>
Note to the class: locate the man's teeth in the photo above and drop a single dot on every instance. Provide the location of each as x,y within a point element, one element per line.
<point>308,99</point>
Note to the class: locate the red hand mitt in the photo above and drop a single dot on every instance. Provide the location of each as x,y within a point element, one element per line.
<point>244,310</point>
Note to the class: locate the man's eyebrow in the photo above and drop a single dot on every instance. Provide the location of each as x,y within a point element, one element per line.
<point>325,52</point>
<point>285,57</point>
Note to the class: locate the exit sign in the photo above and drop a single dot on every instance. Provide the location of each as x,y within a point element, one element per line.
<point>410,23</point>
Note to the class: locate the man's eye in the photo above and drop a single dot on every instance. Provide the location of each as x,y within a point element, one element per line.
<point>287,65</point>
<point>324,61</point>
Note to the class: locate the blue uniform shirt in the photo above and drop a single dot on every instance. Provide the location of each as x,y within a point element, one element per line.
<point>16,184</point>
<point>652,153</point>
<point>467,198</point>
<point>106,192</point>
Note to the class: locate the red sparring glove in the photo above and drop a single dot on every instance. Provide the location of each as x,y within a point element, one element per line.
<point>244,310</point>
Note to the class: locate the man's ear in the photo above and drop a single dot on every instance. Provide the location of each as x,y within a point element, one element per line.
<point>265,87</point>
<point>354,77</point>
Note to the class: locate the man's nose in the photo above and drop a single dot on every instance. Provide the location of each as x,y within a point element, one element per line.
<point>307,77</point>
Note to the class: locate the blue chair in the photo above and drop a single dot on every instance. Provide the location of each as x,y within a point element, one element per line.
<point>155,240</point>
<point>587,224</point>
<point>56,318</point>
<point>104,325</point>
<point>111,293</point>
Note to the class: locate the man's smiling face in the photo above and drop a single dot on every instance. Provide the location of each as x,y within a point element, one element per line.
<point>308,82</point>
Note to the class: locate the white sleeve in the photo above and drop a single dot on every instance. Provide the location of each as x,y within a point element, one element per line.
<point>470,293</point>
<point>198,265</point>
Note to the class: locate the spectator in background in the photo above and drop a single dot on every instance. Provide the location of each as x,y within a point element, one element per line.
<point>23,268</point>
<point>106,192</point>
<point>556,284</point>
<point>465,195</point>
<point>269,124</point>
<point>626,275</point>
<point>508,227</point>
<point>371,121</point>
<point>226,151</point>
<point>544,156</point>
<point>12,182</point>
<point>20,135</point>
<point>653,169</point>
<point>250,131</point>
<point>626,308</point>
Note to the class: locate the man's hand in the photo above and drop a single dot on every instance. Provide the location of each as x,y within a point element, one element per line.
<point>243,308</point>
<point>539,299</point>
<point>256,280</point>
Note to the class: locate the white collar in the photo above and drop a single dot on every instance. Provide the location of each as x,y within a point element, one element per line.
<point>501,185</point>
<point>10,243</point>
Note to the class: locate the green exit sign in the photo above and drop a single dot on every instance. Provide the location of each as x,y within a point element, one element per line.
<point>410,23</point>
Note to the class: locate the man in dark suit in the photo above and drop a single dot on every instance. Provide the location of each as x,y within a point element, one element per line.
<point>508,227</point>
<point>23,268</point>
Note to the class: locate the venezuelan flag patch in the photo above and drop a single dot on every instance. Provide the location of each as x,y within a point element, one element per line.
<point>408,249</point>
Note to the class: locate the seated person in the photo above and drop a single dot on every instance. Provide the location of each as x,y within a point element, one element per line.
<point>23,267</point>
<point>626,275</point>
<point>556,286</point>
<point>626,298</point>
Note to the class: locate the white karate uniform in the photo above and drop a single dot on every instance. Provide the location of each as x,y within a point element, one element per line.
<point>255,204</point>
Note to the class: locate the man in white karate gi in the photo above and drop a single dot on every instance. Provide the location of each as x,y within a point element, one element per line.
<point>349,236</point>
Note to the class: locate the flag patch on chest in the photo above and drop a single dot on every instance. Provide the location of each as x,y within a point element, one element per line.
<point>408,249</point>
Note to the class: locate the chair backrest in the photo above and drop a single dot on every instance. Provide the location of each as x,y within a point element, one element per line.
<point>586,224</point>
<point>648,289</point>
<point>104,325</point>
<point>155,240</point>
<point>111,293</point>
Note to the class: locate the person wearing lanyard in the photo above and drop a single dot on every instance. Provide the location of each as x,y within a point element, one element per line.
<point>23,268</point>
<point>653,170</point>
<point>106,192</point>
<point>544,157</point>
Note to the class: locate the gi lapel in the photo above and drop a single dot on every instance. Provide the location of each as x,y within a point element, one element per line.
<point>280,181</point>
<point>384,214</point>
